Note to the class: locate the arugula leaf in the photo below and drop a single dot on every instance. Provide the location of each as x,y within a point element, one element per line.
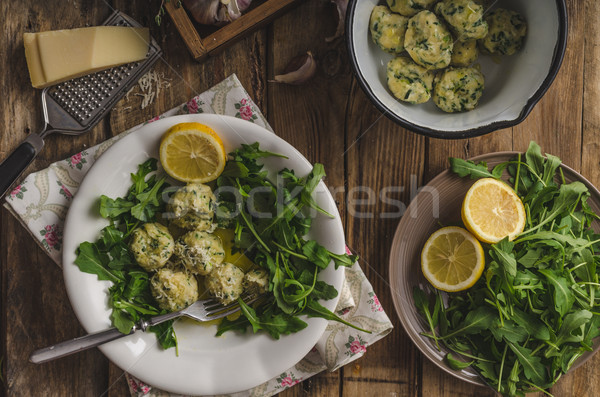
<point>468,168</point>
<point>122,321</point>
<point>534,157</point>
<point>568,196</point>
<point>532,365</point>
<point>422,304</point>
<point>110,208</point>
<point>563,297</point>
<point>139,178</point>
<point>534,326</point>
<point>275,325</point>
<point>502,253</point>
<point>573,321</point>
<point>475,321</point>
<point>315,309</point>
<point>509,331</point>
<point>456,364</point>
<point>91,260</point>
<point>316,253</point>
<point>240,324</point>
<point>148,203</point>
<point>165,334</point>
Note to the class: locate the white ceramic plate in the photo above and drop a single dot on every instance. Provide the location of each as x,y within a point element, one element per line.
<point>513,84</point>
<point>206,364</point>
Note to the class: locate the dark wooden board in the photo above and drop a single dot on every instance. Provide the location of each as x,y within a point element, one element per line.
<point>250,21</point>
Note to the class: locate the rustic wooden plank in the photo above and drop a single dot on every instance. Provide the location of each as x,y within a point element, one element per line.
<point>555,123</point>
<point>439,383</point>
<point>591,96</point>
<point>38,314</point>
<point>311,117</point>
<point>36,311</point>
<point>384,166</point>
<point>117,382</point>
<point>584,380</point>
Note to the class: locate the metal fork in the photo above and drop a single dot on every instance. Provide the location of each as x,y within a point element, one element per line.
<point>202,310</point>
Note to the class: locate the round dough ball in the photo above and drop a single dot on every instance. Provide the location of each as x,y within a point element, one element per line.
<point>199,252</point>
<point>428,41</point>
<point>225,282</point>
<point>458,89</point>
<point>174,290</point>
<point>464,53</point>
<point>506,32</point>
<point>465,18</point>
<point>191,207</point>
<point>388,29</point>
<point>256,280</point>
<point>151,245</point>
<point>408,81</point>
<point>409,8</point>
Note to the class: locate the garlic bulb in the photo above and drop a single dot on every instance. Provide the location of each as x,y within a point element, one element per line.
<point>341,9</point>
<point>216,12</point>
<point>300,69</point>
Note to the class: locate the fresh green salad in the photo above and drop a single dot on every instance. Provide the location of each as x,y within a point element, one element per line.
<point>270,228</point>
<point>536,310</point>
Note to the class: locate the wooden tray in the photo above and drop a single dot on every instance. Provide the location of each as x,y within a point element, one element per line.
<point>201,48</point>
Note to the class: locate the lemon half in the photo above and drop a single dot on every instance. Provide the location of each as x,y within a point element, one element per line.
<point>491,210</point>
<point>192,152</point>
<point>452,259</point>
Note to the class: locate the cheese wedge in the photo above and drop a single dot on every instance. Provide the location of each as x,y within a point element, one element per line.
<point>59,55</point>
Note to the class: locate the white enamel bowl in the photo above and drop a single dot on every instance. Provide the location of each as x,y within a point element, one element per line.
<point>513,84</point>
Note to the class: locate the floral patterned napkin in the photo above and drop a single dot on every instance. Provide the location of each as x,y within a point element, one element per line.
<point>41,202</point>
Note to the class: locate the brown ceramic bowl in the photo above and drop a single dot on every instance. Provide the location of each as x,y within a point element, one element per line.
<point>439,203</point>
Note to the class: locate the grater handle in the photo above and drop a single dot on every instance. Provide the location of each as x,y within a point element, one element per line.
<point>18,160</point>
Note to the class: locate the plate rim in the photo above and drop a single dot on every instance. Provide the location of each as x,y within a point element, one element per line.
<point>316,325</point>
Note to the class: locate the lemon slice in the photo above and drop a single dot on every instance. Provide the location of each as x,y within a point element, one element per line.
<point>192,152</point>
<point>491,210</point>
<point>452,259</point>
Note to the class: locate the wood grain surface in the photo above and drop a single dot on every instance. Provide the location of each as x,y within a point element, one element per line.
<point>373,169</point>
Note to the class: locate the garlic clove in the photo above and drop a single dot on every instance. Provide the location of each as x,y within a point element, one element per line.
<point>341,5</point>
<point>298,71</point>
<point>203,11</point>
<point>233,10</point>
<point>243,4</point>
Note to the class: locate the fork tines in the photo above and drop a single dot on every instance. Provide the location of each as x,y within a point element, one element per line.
<point>215,308</point>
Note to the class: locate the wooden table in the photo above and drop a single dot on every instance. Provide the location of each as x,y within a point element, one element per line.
<point>329,120</point>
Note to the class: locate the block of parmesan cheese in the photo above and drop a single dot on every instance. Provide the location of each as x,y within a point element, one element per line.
<point>59,55</point>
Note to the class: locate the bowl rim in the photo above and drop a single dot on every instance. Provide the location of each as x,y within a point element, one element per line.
<point>557,58</point>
